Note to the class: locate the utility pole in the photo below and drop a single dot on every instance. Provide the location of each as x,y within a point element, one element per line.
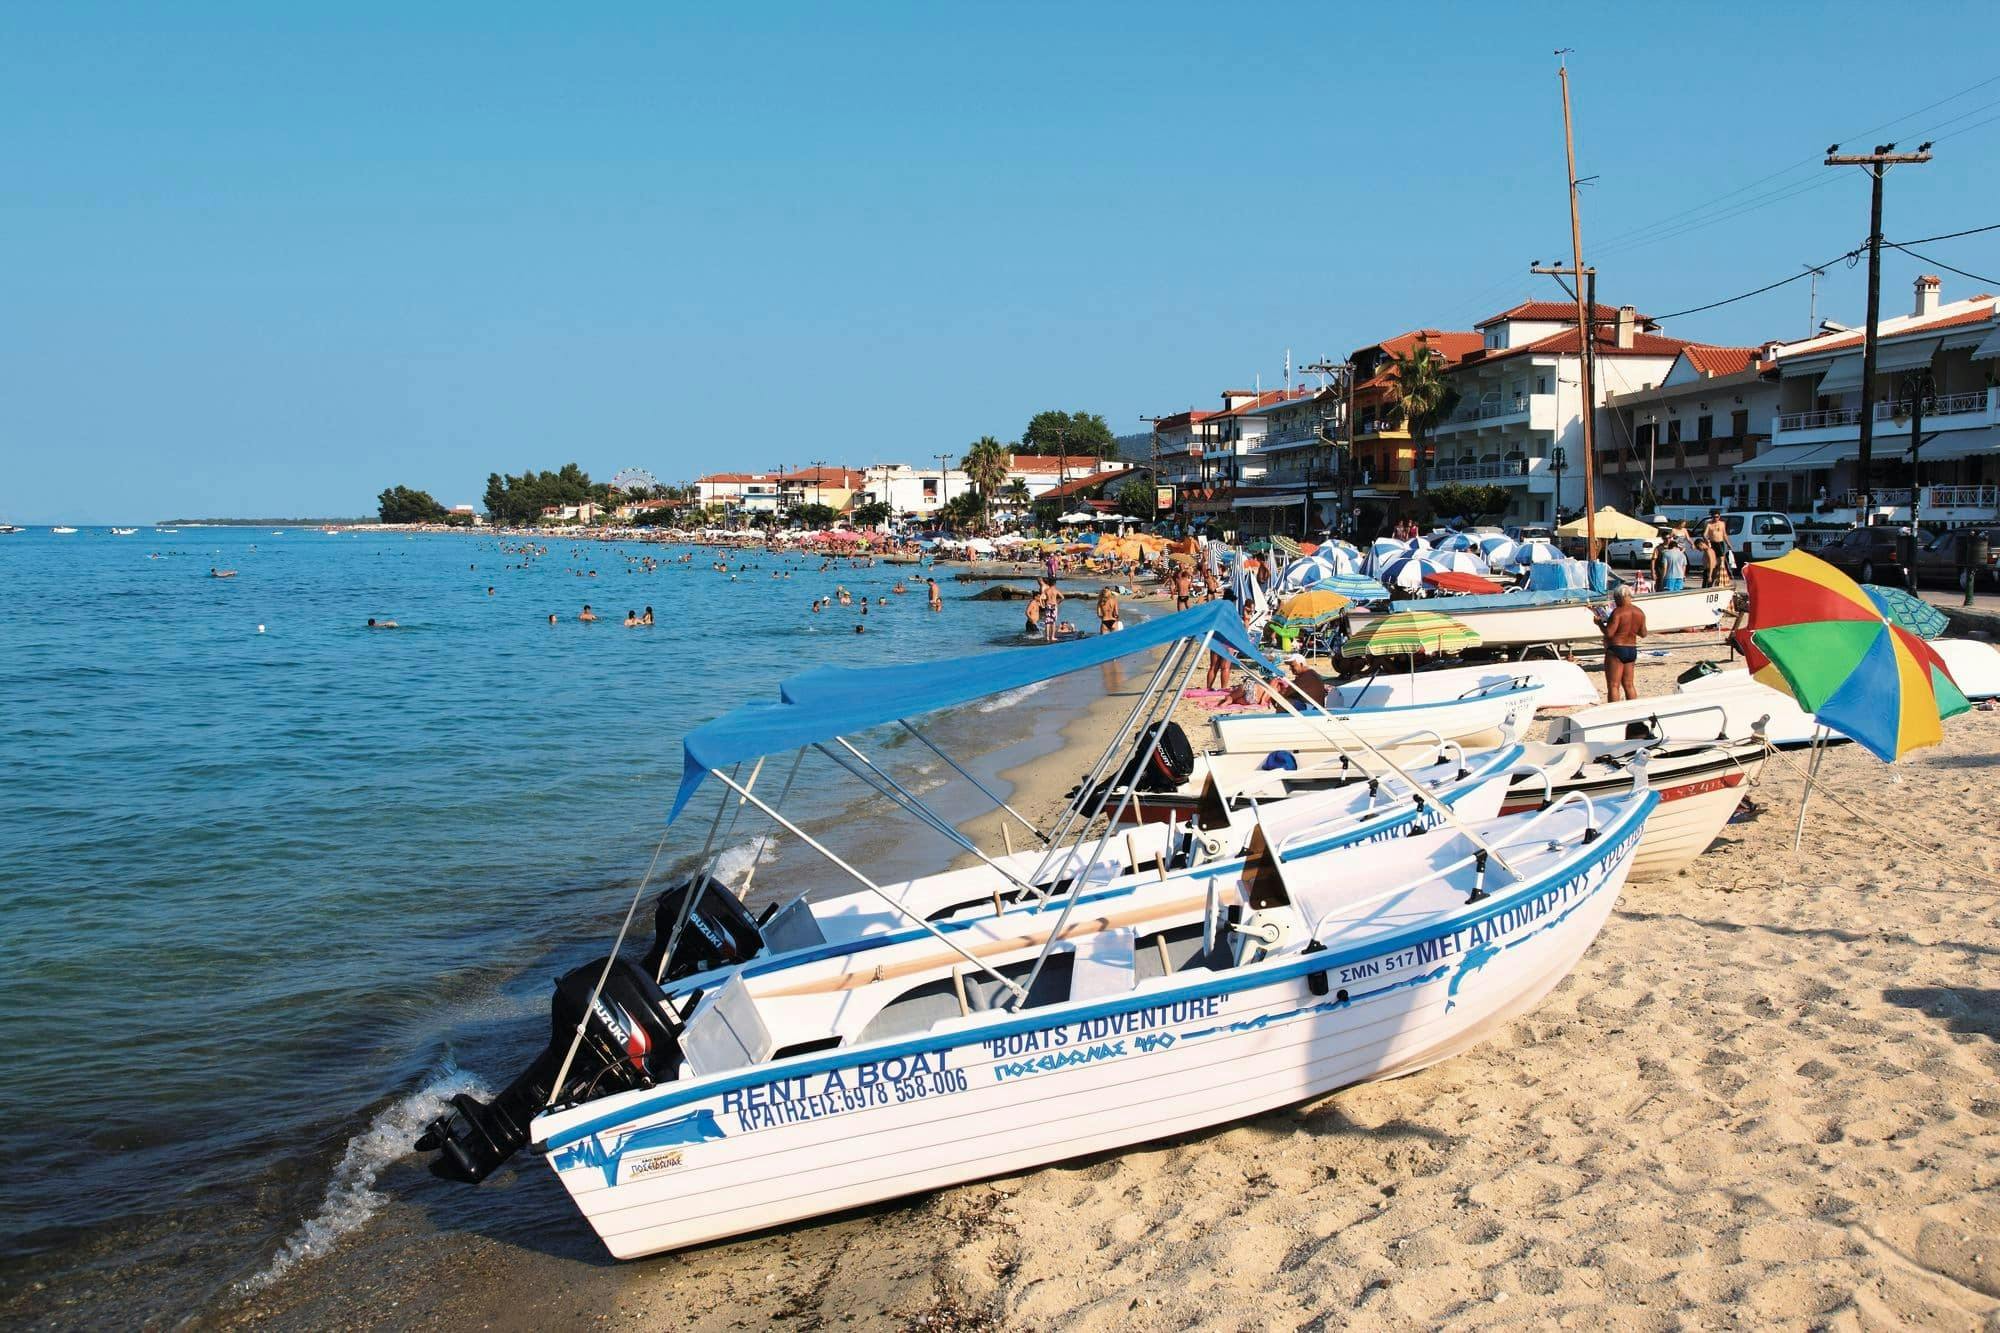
<point>1342,375</point>
<point>1877,165</point>
<point>1585,317</point>
<point>817,464</point>
<point>1585,293</point>
<point>944,479</point>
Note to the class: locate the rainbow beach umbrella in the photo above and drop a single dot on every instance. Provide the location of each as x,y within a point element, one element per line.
<point>1819,636</point>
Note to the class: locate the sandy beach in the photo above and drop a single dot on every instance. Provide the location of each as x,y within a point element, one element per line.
<point>1766,1098</point>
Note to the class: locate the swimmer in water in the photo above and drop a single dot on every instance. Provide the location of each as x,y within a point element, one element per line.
<point>382,624</point>
<point>588,614</point>
<point>552,617</point>
<point>631,620</point>
<point>215,573</point>
<point>489,590</point>
<point>647,619</point>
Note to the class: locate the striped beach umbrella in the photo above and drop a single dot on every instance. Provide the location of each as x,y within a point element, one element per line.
<point>1355,587</point>
<point>1407,571</point>
<point>1408,633</point>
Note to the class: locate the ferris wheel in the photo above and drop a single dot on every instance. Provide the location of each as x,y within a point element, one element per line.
<point>634,479</point>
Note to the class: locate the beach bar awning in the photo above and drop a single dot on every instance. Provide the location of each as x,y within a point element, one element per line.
<point>826,702</point>
<point>1269,501</point>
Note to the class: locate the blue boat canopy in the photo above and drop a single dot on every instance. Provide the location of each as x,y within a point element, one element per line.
<point>826,702</point>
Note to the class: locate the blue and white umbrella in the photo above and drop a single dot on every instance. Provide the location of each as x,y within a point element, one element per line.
<point>1459,541</point>
<point>1498,551</point>
<point>1407,571</point>
<point>1535,552</point>
<point>1461,562</point>
<point>1385,549</point>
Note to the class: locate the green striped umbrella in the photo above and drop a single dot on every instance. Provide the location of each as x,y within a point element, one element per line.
<point>1409,632</point>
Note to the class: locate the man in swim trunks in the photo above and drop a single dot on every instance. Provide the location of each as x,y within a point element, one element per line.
<point>1623,628</point>
<point>937,598</point>
<point>1034,612</point>
<point>1183,589</point>
<point>588,614</point>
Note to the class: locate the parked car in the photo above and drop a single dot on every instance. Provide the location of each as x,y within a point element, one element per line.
<point>1868,555</point>
<point>1937,559</point>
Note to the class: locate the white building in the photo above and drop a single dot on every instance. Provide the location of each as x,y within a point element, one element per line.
<point>1952,350</point>
<point>742,492</point>
<point>1698,434</point>
<point>1519,419</point>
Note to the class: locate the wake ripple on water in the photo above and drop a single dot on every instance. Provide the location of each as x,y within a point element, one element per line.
<point>351,1198</point>
<point>1012,697</point>
<point>735,862</point>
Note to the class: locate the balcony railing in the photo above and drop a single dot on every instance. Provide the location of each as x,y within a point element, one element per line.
<point>1964,497</point>
<point>1945,405</point>
<point>1487,411</point>
<point>1393,480</point>
<point>1820,419</point>
<point>1511,467</point>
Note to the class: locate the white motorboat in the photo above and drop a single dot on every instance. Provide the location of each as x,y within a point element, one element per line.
<point>1550,624</point>
<point>1506,707</point>
<point>1974,667</point>
<point>1723,712</point>
<point>1687,609</point>
<point>1564,684</point>
<point>64,531</point>
<point>1699,785</point>
<point>720,1086</point>
<point>123,532</point>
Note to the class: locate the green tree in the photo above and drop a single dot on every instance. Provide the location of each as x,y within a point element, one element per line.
<point>1136,497</point>
<point>963,510</point>
<point>520,500</point>
<point>1054,432</point>
<point>986,464</point>
<point>1466,500</point>
<point>871,515</point>
<point>1423,398</point>
<point>815,516</point>
<point>400,504</point>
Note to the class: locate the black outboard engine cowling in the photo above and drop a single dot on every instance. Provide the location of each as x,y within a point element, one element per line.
<point>1168,767</point>
<point>720,931</point>
<point>630,1040</point>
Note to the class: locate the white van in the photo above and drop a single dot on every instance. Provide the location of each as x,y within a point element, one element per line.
<point>1754,534</point>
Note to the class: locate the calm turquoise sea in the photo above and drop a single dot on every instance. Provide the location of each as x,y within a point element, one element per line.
<point>272,882</point>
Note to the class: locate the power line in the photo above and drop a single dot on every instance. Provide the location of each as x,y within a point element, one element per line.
<point>1768,287</point>
<point>1748,206</point>
<point>1632,236</point>
<point>1949,236</point>
<point>1946,267</point>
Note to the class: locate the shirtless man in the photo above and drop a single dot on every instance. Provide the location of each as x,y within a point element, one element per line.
<point>588,614</point>
<point>1623,628</point>
<point>1183,589</point>
<point>1107,611</point>
<point>1715,537</point>
<point>1304,680</point>
<point>1033,611</point>
<point>1052,599</point>
<point>937,598</point>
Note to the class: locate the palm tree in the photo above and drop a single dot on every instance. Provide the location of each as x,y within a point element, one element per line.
<point>986,463</point>
<point>1423,397</point>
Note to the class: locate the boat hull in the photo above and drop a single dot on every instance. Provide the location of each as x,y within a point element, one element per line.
<point>671,1167</point>
<point>1694,808</point>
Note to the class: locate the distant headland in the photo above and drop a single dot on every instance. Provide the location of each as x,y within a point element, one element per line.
<point>262,522</point>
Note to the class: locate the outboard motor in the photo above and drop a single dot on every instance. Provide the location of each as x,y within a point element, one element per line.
<point>720,931</point>
<point>630,1040</point>
<point>1165,770</point>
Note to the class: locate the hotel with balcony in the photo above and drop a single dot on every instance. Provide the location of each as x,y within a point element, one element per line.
<point>1383,453</point>
<point>1519,419</point>
<point>1942,358</point>
<point>1694,435</point>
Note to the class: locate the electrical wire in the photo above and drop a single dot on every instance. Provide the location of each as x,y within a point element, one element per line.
<point>1949,236</point>
<point>1946,267</point>
<point>1768,287</point>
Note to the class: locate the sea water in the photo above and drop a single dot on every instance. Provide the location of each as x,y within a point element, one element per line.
<point>274,884</point>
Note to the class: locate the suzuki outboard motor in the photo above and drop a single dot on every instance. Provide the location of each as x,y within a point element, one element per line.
<point>720,931</point>
<point>630,1040</point>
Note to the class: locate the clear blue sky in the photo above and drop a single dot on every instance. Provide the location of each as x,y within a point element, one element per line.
<point>267,259</point>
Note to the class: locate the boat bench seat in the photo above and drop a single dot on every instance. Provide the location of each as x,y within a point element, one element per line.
<point>726,1031</point>
<point>1106,964</point>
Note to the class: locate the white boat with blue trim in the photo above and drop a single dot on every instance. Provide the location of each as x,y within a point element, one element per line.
<point>745,1074</point>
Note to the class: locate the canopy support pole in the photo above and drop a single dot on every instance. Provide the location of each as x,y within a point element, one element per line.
<point>604,974</point>
<point>873,887</point>
<point>706,870</point>
<point>989,793</point>
<point>1812,777</point>
<point>895,790</point>
<point>1104,760</point>
<point>1436,802</point>
<point>1110,827</point>
<point>798,758</point>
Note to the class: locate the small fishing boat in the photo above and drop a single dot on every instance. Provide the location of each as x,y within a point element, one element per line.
<point>718,1084</point>
<point>1505,706</point>
<point>1736,711</point>
<point>64,531</point>
<point>6,528</point>
<point>123,532</point>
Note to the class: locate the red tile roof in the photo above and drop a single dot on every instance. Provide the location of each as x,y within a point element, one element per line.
<point>844,478</point>
<point>1566,343</point>
<point>1552,310</point>
<point>1926,326</point>
<point>1720,360</point>
<point>1452,345</point>
<point>1077,485</point>
<point>1268,398</point>
<point>1055,463</point>
<point>1187,418</point>
<point>735,478</point>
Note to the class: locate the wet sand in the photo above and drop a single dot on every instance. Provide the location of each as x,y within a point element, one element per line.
<point>1766,1097</point>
